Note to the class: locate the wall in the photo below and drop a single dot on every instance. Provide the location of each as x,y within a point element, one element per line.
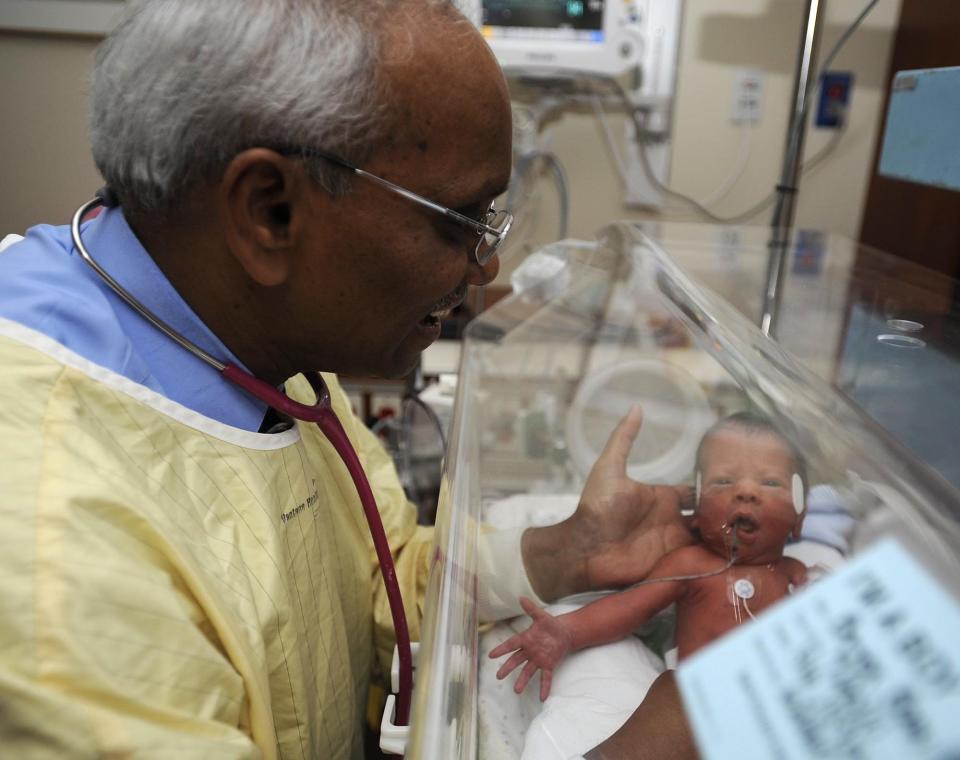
<point>45,157</point>
<point>719,37</point>
<point>47,169</point>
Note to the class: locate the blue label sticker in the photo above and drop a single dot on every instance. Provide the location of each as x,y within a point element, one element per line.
<point>863,664</point>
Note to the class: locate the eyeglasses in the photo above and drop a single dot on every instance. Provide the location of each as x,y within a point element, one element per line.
<point>491,229</point>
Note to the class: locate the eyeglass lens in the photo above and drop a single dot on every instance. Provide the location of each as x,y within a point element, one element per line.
<point>490,242</point>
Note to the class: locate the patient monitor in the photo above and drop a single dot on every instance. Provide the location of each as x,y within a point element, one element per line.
<point>591,36</point>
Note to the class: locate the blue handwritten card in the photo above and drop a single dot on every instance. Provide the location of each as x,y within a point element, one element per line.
<point>863,665</point>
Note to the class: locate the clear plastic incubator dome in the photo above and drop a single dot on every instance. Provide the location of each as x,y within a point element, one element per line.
<point>788,485</point>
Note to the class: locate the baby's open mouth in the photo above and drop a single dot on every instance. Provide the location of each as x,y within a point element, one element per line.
<point>745,525</point>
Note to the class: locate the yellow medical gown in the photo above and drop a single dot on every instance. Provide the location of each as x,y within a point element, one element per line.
<point>176,588</point>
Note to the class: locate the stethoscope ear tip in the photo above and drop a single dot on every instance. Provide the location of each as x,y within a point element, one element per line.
<point>107,197</point>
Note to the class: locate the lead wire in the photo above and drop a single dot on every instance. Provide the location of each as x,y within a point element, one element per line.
<point>671,578</point>
<point>667,579</point>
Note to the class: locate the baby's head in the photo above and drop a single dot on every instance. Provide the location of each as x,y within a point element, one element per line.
<point>749,481</point>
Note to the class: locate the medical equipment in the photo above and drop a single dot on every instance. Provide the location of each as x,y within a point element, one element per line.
<point>640,294</point>
<point>320,413</point>
<point>643,162</point>
<point>600,36</point>
<point>549,47</point>
<point>419,448</point>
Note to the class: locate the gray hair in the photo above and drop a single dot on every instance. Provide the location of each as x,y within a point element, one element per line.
<point>181,86</point>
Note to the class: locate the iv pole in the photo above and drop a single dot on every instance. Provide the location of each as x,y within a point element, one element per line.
<point>782,222</point>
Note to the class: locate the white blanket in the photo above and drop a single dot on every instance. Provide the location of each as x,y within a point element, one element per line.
<point>594,691</point>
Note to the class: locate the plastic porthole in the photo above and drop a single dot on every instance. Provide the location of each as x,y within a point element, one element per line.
<point>676,414</point>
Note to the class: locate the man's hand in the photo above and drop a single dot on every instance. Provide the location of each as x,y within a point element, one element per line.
<point>626,526</point>
<point>542,647</point>
<point>619,531</point>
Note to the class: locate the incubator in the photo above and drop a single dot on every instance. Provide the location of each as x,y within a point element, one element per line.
<point>545,376</point>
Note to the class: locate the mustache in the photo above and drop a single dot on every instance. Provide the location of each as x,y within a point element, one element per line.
<point>451,300</point>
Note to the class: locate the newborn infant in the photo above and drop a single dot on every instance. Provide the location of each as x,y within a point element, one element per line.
<point>749,501</point>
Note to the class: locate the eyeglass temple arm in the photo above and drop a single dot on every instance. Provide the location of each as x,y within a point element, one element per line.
<point>479,226</point>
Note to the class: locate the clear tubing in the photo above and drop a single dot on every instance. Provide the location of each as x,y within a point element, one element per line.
<point>666,579</point>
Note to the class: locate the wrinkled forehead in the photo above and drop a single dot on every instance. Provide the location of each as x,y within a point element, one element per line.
<point>737,446</point>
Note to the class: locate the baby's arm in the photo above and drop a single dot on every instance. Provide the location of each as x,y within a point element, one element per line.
<point>616,616</point>
<point>796,571</point>
<point>549,639</point>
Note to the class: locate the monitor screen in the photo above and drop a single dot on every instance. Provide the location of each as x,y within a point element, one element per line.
<point>577,20</point>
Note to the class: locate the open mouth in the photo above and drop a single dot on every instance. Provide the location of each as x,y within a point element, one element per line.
<point>442,310</point>
<point>436,317</point>
<point>745,525</point>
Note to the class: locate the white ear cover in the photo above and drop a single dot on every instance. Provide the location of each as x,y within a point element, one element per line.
<point>696,489</point>
<point>799,500</point>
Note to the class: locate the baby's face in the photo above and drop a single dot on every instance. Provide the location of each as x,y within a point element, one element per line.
<point>746,485</point>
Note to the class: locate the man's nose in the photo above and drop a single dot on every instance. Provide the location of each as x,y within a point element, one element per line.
<point>482,274</point>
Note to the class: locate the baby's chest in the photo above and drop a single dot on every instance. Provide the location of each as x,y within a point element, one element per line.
<point>750,588</point>
<point>755,588</point>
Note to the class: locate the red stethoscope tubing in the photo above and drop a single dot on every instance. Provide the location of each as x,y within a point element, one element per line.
<point>323,415</point>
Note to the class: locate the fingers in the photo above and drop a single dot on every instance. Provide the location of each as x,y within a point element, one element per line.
<point>516,641</point>
<point>517,659</point>
<point>506,647</point>
<point>529,670</point>
<point>622,438</point>
<point>546,678</point>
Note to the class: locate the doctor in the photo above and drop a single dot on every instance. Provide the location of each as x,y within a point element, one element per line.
<point>183,571</point>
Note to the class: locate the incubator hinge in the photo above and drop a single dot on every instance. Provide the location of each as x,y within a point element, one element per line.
<point>393,738</point>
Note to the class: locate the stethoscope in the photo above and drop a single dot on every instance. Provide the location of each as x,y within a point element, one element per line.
<point>321,413</point>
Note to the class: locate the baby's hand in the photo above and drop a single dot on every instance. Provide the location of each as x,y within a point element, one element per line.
<point>542,647</point>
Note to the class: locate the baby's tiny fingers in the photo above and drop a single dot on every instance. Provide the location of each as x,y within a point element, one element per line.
<point>526,674</point>
<point>546,678</point>
<point>515,661</point>
<point>505,648</point>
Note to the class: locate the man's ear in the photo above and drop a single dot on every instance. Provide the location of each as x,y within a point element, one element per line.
<point>262,193</point>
